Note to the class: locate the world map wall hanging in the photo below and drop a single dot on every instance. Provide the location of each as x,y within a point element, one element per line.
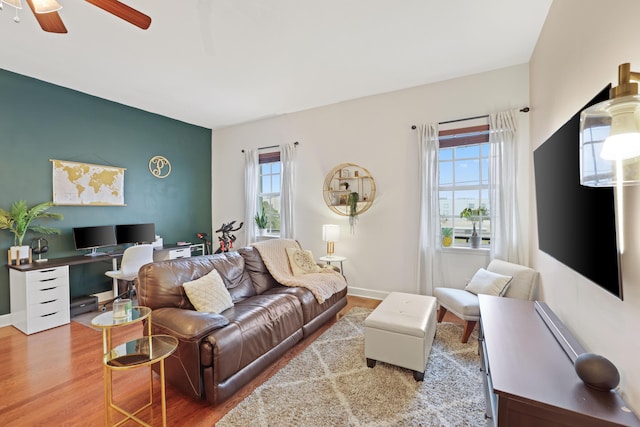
<point>85,184</point>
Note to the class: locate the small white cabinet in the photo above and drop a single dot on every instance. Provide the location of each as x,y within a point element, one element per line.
<point>39,298</point>
<point>174,253</point>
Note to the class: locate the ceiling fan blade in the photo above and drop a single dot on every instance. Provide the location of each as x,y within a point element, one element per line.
<point>123,11</point>
<point>50,22</point>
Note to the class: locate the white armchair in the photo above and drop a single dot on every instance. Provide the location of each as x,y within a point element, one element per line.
<point>464,304</point>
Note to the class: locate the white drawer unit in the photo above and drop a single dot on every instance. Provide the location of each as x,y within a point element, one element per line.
<point>174,253</point>
<point>39,298</point>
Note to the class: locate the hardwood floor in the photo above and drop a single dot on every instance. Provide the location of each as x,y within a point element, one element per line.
<point>55,378</point>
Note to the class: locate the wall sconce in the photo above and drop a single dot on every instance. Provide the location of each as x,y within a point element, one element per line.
<point>610,136</point>
<point>330,234</point>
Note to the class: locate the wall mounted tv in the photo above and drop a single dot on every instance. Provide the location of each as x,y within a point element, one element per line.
<point>576,224</point>
<point>92,238</point>
<point>135,233</point>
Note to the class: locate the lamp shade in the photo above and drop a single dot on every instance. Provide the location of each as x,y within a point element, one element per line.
<point>15,3</point>
<point>330,233</point>
<point>46,6</point>
<point>610,143</point>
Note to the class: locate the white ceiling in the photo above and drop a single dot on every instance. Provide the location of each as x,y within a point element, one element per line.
<point>216,63</point>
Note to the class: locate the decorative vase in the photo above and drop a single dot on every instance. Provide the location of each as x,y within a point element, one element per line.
<point>23,251</point>
<point>474,239</point>
<point>14,251</point>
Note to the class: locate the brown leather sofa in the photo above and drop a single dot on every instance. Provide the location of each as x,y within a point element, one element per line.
<point>219,353</point>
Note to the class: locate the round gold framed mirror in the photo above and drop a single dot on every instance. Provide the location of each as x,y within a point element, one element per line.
<point>349,189</point>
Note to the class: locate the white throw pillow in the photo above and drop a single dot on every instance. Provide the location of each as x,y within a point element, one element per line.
<point>208,293</point>
<point>302,262</point>
<point>489,283</point>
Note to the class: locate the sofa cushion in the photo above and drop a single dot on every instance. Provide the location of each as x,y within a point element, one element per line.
<point>524,283</point>
<point>159,284</point>
<point>487,282</point>
<point>302,262</point>
<point>260,276</point>
<point>208,293</point>
<point>458,301</point>
<point>256,325</point>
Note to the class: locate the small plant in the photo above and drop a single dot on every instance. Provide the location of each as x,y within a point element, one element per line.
<point>261,219</point>
<point>474,215</point>
<point>19,220</point>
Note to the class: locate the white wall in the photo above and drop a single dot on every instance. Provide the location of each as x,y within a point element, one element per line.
<point>374,132</point>
<point>577,54</point>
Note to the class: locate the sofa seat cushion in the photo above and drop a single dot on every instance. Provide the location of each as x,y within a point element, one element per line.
<point>310,306</point>
<point>256,325</point>
<point>460,302</point>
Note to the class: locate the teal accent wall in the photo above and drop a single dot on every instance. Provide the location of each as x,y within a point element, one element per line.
<point>41,121</point>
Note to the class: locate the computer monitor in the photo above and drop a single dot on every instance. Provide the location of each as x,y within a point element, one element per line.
<point>135,233</point>
<point>92,238</point>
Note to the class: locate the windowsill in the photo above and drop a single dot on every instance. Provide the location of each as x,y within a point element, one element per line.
<point>465,250</point>
<point>267,237</point>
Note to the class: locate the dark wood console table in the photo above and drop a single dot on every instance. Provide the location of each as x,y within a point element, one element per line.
<point>529,379</point>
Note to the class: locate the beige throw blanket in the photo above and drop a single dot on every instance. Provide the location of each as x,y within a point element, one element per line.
<point>274,255</point>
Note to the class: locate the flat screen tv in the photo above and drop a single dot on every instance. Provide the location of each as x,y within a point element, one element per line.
<point>92,238</point>
<point>576,224</point>
<point>135,233</point>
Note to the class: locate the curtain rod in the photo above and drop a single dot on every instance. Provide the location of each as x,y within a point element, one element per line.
<point>522,110</point>
<point>273,146</point>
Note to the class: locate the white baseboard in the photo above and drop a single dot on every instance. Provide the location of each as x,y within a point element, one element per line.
<point>5,320</point>
<point>367,293</point>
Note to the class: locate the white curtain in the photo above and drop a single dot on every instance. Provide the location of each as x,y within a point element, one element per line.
<point>429,228</point>
<point>251,176</point>
<point>287,159</point>
<point>503,197</point>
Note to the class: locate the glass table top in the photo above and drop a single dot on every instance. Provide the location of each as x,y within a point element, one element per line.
<point>106,320</point>
<point>141,351</point>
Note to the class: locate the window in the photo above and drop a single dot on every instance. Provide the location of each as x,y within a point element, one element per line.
<point>269,190</point>
<point>464,184</point>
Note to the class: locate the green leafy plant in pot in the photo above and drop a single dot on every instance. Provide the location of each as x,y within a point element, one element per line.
<point>261,220</point>
<point>19,219</point>
<point>352,203</point>
<point>474,215</point>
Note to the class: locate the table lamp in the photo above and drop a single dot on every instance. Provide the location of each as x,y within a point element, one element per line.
<point>330,234</point>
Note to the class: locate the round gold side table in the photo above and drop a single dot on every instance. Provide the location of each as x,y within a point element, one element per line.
<point>144,351</point>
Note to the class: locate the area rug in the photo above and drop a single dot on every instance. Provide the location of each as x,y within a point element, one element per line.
<point>329,384</point>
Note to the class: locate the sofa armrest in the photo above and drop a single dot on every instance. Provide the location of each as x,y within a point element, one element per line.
<point>187,324</point>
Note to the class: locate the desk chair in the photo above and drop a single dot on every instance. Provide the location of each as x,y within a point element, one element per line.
<point>464,304</point>
<point>133,258</point>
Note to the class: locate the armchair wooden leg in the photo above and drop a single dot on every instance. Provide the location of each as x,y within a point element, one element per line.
<point>468,328</point>
<point>441,312</point>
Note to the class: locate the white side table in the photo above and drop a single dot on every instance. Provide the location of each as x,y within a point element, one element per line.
<point>334,258</point>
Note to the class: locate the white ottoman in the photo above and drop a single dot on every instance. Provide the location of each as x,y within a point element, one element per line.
<point>400,331</point>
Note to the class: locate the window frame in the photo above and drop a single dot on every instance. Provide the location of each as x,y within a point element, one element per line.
<point>269,157</point>
<point>450,215</point>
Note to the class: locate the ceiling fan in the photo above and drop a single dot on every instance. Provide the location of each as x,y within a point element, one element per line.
<point>46,13</point>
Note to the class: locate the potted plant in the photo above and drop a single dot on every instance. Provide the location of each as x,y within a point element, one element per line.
<point>261,221</point>
<point>20,219</point>
<point>352,203</point>
<point>474,215</point>
<point>447,236</point>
